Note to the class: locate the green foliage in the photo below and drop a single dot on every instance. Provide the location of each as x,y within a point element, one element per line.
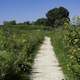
<point>57,39</point>
<point>27,23</point>
<point>7,23</point>
<point>57,16</point>
<point>17,52</point>
<point>24,27</point>
<point>66,43</point>
<point>76,21</point>
<point>72,39</point>
<point>41,21</point>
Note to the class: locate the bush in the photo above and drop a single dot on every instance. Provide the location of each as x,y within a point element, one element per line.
<point>72,39</point>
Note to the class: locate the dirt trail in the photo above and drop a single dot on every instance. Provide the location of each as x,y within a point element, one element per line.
<point>46,65</point>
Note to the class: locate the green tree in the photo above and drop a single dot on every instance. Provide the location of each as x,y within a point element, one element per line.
<point>10,22</point>
<point>76,21</point>
<point>57,16</point>
<point>27,23</point>
<point>41,21</point>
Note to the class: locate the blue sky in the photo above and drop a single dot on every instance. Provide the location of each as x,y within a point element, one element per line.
<point>24,10</point>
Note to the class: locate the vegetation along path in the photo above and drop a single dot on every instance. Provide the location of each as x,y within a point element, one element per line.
<point>46,66</point>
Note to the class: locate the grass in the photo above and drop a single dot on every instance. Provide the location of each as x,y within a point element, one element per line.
<point>17,52</point>
<point>23,40</point>
<point>57,39</point>
<point>25,27</point>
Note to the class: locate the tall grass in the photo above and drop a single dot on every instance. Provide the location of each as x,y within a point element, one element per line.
<point>17,52</point>
<point>57,38</point>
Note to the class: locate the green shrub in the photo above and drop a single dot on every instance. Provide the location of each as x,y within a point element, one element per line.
<point>72,39</point>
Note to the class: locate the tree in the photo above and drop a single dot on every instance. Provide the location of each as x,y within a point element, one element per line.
<point>27,23</point>
<point>57,16</point>
<point>41,21</point>
<point>10,22</point>
<point>76,21</point>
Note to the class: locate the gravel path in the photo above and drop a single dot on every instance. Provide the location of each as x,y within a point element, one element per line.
<point>46,66</point>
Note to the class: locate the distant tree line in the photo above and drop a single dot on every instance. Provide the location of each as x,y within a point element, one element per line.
<point>54,17</point>
<point>13,22</point>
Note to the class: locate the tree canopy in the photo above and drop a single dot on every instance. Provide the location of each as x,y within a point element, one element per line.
<point>41,21</point>
<point>57,16</point>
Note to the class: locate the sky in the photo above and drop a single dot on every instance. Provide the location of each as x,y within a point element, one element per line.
<point>31,10</point>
